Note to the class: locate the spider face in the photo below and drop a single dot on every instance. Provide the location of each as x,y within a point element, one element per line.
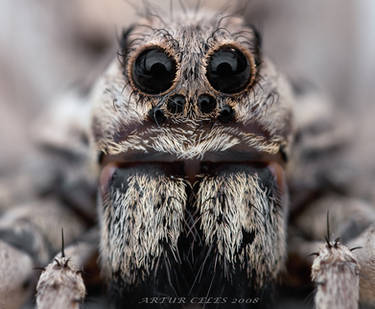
<point>193,125</point>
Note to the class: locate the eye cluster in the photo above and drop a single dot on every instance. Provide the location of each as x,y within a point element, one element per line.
<point>229,70</point>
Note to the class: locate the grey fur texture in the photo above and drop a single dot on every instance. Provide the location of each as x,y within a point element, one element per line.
<point>60,286</point>
<point>263,110</point>
<point>147,210</point>
<point>336,272</point>
<point>245,208</point>
<point>136,220</point>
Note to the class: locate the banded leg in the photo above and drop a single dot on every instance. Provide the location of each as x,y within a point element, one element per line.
<point>30,234</point>
<point>60,284</point>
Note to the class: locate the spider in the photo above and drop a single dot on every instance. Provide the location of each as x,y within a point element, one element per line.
<point>211,182</point>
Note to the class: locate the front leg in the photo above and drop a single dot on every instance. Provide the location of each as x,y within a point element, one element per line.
<point>16,273</point>
<point>29,236</point>
<point>335,272</point>
<point>61,285</point>
<point>338,266</point>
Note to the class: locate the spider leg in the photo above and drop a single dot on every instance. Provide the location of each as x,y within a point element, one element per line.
<point>337,268</point>
<point>363,248</point>
<point>61,284</point>
<point>29,236</point>
<point>16,272</point>
<point>335,271</point>
<point>35,228</point>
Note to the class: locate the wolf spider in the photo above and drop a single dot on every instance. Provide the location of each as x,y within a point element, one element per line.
<point>212,176</point>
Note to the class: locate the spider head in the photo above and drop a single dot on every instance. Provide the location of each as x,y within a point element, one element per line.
<point>194,126</point>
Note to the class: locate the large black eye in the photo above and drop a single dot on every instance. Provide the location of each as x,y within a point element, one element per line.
<point>154,71</point>
<point>228,70</point>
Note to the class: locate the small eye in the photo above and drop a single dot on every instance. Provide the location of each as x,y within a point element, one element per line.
<point>154,71</point>
<point>228,70</point>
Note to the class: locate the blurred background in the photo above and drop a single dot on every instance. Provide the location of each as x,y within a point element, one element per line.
<point>46,47</point>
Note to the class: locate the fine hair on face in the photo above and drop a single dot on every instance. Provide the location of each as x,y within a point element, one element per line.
<point>193,128</point>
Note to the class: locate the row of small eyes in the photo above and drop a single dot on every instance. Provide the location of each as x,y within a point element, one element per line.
<point>228,70</point>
